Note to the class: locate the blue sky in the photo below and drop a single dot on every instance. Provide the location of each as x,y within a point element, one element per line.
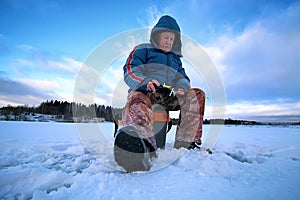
<point>254,45</point>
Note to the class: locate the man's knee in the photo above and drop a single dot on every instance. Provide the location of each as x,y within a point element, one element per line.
<point>136,97</point>
<point>196,92</point>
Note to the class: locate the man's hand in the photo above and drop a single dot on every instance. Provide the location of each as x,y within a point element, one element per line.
<point>152,84</point>
<point>179,91</point>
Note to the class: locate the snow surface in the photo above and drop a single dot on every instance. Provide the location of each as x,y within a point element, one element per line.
<point>49,161</point>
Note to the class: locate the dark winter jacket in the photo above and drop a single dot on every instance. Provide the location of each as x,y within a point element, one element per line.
<point>147,62</point>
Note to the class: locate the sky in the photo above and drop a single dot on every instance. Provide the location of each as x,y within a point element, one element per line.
<point>254,45</point>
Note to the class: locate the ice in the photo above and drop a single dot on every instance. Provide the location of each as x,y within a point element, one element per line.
<point>51,161</point>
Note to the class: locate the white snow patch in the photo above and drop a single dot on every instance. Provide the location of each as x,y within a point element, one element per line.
<point>49,161</point>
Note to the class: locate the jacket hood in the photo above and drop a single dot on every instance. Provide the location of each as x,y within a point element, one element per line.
<point>167,23</point>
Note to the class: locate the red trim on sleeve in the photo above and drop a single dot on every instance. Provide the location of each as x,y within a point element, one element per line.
<point>131,74</point>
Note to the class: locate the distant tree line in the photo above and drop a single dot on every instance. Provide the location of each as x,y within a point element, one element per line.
<point>80,112</point>
<point>66,109</point>
<point>230,122</point>
<point>73,111</point>
<point>224,121</point>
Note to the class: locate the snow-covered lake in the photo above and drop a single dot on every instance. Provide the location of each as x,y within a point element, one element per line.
<point>49,161</point>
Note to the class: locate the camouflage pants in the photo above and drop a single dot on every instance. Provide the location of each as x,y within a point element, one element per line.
<point>139,112</point>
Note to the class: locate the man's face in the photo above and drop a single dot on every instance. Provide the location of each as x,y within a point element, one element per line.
<point>165,41</point>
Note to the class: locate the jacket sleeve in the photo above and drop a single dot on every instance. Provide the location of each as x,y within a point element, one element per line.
<point>182,80</point>
<point>134,68</point>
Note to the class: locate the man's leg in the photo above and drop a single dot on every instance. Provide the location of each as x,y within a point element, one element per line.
<point>189,129</point>
<point>138,112</point>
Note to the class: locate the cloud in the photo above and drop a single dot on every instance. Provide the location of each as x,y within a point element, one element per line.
<point>67,65</point>
<point>264,111</point>
<point>36,76</point>
<point>40,84</point>
<point>14,92</point>
<point>152,15</point>
<point>45,62</point>
<point>34,91</point>
<point>262,63</point>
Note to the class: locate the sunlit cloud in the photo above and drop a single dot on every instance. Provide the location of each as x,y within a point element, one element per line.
<point>16,93</point>
<point>41,84</point>
<point>40,77</point>
<point>44,62</point>
<point>261,63</point>
<point>262,111</point>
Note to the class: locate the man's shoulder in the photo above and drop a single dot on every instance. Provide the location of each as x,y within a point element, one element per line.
<point>144,46</point>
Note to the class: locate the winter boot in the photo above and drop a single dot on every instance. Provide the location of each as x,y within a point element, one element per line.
<point>131,151</point>
<point>191,146</point>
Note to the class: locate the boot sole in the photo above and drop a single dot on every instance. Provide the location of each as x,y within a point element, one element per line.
<point>130,150</point>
